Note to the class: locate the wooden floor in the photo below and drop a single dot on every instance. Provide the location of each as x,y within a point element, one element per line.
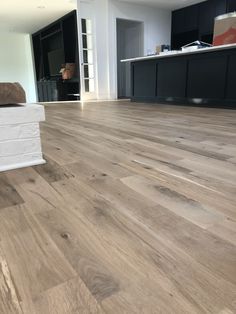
<point>134,212</point>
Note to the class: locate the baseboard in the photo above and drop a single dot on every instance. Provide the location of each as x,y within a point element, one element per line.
<point>22,165</point>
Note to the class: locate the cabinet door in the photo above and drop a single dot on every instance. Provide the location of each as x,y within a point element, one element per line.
<point>49,92</point>
<point>40,91</point>
<point>185,20</point>
<point>206,76</point>
<point>45,91</point>
<point>191,17</point>
<point>231,5</point>
<point>178,21</point>
<point>144,79</point>
<point>220,7</point>
<point>54,91</point>
<point>206,17</point>
<point>231,78</point>
<point>171,77</point>
<point>208,11</point>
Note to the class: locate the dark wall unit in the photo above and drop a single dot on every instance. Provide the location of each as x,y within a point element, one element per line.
<point>203,77</point>
<point>186,19</point>
<point>184,26</point>
<point>169,85</point>
<point>206,76</point>
<point>231,90</point>
<point>144,72</point>
<point>207,12</point>
<point>196,22</point>
<point>231,5</point>
<point>53,46</point>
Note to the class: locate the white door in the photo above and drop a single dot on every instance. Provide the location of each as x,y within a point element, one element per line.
<point>88,90</point>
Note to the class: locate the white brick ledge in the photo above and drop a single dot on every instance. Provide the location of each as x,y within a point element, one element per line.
<point>20,143</point>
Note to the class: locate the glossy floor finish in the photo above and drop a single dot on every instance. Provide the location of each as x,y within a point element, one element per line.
<point>134,212</point>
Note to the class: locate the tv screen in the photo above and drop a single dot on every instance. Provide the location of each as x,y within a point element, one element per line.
<point>55,61</point>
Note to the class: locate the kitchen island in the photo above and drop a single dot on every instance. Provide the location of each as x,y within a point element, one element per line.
<point>204,77</point>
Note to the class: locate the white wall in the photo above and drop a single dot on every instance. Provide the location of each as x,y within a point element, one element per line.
<point>16,63</point>
<point>97,11</point>
<point>157,30</point>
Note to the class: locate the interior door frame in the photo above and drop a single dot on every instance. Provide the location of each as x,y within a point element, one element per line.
<point>116,50</point>
<point>83,94</point>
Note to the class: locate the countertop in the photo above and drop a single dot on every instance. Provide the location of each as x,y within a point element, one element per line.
<point>181,53</point>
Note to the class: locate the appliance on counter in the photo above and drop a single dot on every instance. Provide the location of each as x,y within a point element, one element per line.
<point>195,46</point>
<point>225,29</point>
<point>162,48</point>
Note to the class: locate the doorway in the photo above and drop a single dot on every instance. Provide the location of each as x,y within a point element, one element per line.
<point>130,44</point>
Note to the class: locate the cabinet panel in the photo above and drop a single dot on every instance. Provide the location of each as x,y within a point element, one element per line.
<point>220,7</point>
<point>144,79</point>
<point>231,5</point>
<point>207,12</point>
<point>172,76</point>
<point>185,20</point>
<point>206,17</point>
<point>191,17</point>
<point>231,78</point>
<point>178,21</point>
<point>206,77</point>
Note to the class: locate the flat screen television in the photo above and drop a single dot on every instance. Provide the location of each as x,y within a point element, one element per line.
<point>55,60</point>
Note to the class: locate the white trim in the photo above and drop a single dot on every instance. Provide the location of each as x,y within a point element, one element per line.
<point>23,165</point>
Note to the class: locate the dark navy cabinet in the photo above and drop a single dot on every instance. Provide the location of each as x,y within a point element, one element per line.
<point>171,77</point>
<point>207,76</point>
<point>144,79</point>
<point>196,22</point>
<point>202,77</point>
<point>208,11</point>
<point>231,5</point>
<point>185,20</point>
<point>178,21</point>
<point>231,78</point>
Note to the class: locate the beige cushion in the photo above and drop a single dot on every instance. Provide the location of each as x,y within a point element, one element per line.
<point>11,93</point>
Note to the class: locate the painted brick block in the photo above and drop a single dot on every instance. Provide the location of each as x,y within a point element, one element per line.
<point>19,131</point>
<point>20,144</point>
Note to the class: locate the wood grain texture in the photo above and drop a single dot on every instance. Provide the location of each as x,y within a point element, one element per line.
<point>8,194</point>
<point>134,212</point>
<point>9,301</point>
<point>69,297</point>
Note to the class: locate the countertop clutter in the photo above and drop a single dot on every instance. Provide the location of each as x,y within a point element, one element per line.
<point>224,37</point>
<point>172,53</point>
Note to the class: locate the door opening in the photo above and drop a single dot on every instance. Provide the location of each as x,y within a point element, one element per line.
<point>130,44</point>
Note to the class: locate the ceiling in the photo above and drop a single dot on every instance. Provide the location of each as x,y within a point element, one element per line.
<point>28,16</point>
<point>167,4</point>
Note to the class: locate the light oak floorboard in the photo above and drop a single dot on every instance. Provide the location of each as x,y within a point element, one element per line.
<point>134,212</point>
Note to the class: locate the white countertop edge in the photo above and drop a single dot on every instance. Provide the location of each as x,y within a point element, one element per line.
<point>181,53</point>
